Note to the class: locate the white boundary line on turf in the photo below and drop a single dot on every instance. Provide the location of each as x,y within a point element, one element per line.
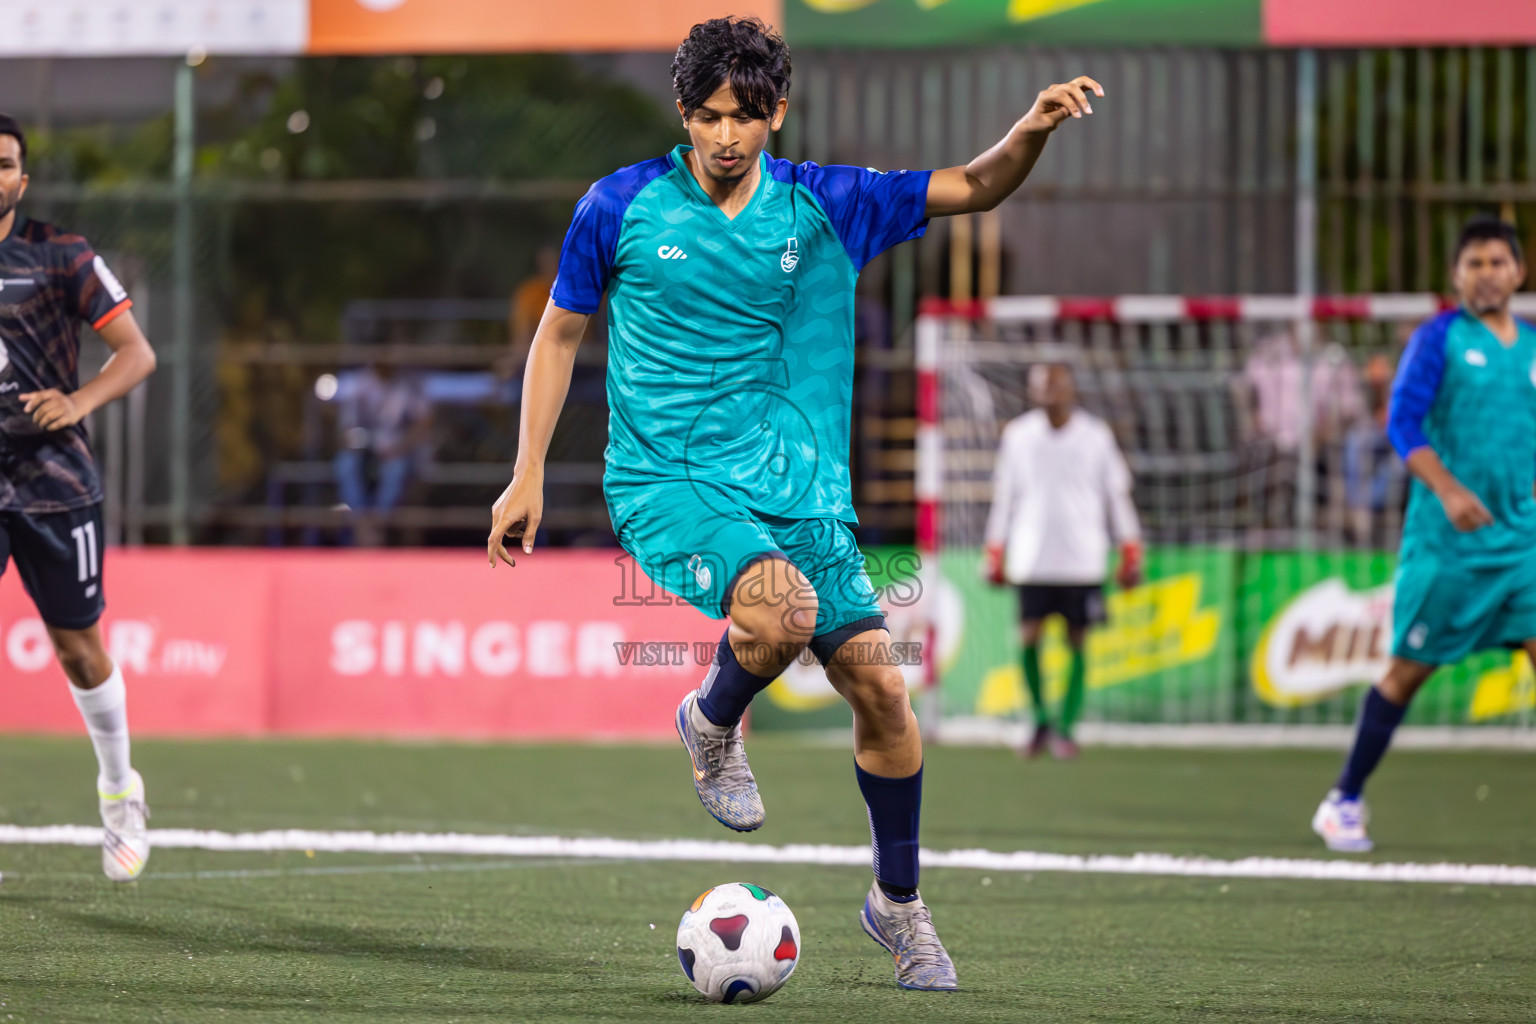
<point>978,731</point>
<point>755,853</point>
<point>244,874</point>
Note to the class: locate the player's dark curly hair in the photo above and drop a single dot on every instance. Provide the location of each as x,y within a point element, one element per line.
<point>1488,229</point>
<point>12,127</point>
<point>744,51</point>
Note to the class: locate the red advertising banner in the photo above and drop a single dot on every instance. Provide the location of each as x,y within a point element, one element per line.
<point>1398,22</point>
<point>411,643</point>
<point>421,643</point>
<point>495,26</point>
<point>190,630</point>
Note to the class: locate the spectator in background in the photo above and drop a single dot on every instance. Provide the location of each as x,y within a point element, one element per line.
<point>1271,389</point>
<point>1273,372</point>
<point>528,301</point>
<point>384,420</point>
<point>1374,477</point>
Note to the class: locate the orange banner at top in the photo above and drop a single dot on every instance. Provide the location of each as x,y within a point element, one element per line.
<point>501,26</point>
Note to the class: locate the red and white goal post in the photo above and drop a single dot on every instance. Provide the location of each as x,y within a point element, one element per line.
<point>972,357</point>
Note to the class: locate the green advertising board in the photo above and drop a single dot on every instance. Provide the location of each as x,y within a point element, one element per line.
<point>1166,654</point>
<point>928,23</point>
<point>1318,627</point>
<point>1214,635</point>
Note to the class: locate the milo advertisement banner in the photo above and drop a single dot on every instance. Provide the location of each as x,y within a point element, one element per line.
<point>1320,626</point>
<point>1213,635</point>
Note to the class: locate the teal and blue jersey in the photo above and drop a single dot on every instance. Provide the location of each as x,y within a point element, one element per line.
<point>1470,397</point>
<point>730,360</point>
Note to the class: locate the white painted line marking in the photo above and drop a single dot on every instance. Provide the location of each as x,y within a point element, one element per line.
<point>243,874</point>
<point>755,853</point>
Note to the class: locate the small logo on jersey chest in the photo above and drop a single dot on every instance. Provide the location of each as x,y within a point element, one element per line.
<point>671,252</point>
<point>16,289</point>
<point>1475,357</point>
<point>701,573</point>
<point>791,258</point>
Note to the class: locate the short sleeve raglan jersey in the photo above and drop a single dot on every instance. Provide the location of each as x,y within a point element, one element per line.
<point>1472,398</point>
<point>51,282</point>
<point>731,340</point>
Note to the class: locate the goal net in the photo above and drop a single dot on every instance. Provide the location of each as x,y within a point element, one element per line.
<point>1270,501</point>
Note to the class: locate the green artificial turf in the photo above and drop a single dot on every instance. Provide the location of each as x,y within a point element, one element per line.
<point>284,936</point>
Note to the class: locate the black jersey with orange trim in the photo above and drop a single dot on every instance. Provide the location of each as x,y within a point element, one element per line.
<point>50,283</point>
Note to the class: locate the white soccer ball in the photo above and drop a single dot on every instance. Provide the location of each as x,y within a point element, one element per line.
<point>738,943</point>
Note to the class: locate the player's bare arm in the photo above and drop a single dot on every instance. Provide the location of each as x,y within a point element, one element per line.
<point>545,383</point>
<point>996,174</point>
<point>1463,508</point>
<point>132,360</point>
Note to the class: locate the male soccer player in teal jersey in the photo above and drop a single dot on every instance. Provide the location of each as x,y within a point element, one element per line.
<point>1463,416</point>
<point>730,279</point>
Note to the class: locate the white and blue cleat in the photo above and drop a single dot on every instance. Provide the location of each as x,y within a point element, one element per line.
<point>721,776</point>
<point>1341,823</point>
<point>906,932</point>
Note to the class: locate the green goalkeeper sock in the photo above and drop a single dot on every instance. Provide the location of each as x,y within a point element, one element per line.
<point>1077,682</point>
<point>1032,681</point>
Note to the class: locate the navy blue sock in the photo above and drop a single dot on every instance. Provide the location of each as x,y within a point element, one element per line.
<point>728,688</point>
<point>894,807</point>
<point>1379,717</point>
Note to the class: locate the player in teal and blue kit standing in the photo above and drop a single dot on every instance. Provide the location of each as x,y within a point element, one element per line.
<point>730,280</point>
<point>1463,416</point>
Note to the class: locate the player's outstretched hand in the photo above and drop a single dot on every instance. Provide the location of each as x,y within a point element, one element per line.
<point>517,511</point>
<point>1465,510</point>
<point>1059,102</point>
<point>51,409</point>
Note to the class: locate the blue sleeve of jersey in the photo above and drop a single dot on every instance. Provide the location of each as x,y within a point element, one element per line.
<point>1416,385</point>
<point>586,258</point>
<point>871,211</point>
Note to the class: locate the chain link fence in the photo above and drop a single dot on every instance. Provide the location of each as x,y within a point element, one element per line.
<point>322,187</point>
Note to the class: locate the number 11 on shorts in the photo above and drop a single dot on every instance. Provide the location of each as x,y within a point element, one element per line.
<point>85,550</point>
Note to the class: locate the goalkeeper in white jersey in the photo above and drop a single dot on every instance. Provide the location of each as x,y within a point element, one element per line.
<point>1061,496</point>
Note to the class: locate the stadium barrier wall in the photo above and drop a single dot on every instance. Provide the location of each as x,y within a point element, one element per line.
<point>377,643</point>
<point>433,644</point>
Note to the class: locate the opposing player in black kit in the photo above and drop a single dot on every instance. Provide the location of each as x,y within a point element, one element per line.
<point>50,494</point>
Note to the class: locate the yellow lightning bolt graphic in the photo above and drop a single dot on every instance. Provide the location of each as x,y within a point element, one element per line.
<point>1029,10</point>
<point>1018,10</point>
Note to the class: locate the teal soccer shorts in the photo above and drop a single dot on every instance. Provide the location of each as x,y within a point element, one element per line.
<point>697,550</point>
<point>1443,611</point>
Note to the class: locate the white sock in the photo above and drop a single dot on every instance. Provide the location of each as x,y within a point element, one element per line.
<point>105,710</point>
